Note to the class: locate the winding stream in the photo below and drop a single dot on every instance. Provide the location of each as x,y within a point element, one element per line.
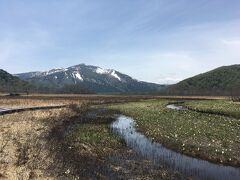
<point>199,169</point>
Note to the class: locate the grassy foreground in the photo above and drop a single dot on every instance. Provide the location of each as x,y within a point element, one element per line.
<point>69,143</point>
<point>224,107</point>
<point>212,137</point>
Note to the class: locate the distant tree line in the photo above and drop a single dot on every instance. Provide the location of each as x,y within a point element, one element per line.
<point>235,93</point>
<point>26,88</point>
<point>65,89</point>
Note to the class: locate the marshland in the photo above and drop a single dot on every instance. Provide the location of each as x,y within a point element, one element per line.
<point>79,141</point>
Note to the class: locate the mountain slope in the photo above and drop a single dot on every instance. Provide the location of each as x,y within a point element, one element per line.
<point>224,80</point>
<point>91,77</point>
<point>10,83</point>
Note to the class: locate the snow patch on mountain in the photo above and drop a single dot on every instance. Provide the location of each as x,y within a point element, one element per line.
<point>114,74</point>
<point>102,71</point>
<point>109,72</point>
<point>77,75</point>
<point>53,71</point>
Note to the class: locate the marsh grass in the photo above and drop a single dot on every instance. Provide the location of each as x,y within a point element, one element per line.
<point>41,100</point>
<point>221,107</point>
<point>105,154</point>
<point>76,141</point>
<point>29,102</point>
<point>211,137</point>
<point>94,139</point>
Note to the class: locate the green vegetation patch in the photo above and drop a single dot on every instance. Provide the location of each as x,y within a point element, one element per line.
<point>83,142</point>
<point>211,137</point>
<point>95,138</point>
<point>224,107</point>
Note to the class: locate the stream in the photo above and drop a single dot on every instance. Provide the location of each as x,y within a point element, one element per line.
<point>198,169</point>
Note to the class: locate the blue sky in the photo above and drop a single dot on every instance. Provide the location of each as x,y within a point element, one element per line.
<point>160,41</point>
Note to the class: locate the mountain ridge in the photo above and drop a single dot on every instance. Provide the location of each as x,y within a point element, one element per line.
<point>92,77</point>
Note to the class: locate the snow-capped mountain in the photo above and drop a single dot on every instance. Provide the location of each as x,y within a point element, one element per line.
<point>91,77</point>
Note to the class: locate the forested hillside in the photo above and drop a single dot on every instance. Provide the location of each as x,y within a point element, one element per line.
<point>224,80</point>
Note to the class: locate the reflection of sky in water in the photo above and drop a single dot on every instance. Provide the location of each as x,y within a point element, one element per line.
<point>124,127</point>
<point>175,107</point>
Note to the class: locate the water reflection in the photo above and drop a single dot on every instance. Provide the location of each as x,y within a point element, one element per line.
<point>199,169</point>
<point>175,107</point>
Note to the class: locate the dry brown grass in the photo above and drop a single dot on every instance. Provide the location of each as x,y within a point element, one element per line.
<point>24,152</point>
<point>57,99</point>
<point>42,100</point>
<point>28,102</point>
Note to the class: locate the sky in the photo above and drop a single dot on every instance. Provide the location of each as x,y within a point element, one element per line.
<point>161,41</point>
